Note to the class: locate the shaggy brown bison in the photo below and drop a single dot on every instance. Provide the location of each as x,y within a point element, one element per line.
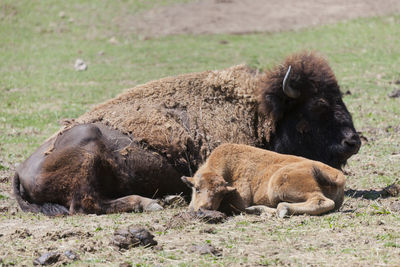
<point>136,146</point>
<point>236,177</point>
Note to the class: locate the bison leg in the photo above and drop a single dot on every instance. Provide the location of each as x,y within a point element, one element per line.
<point>131,203</point>
<point>315,205</point>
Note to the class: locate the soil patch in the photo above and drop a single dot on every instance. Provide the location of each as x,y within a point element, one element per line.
<point>249,16</point>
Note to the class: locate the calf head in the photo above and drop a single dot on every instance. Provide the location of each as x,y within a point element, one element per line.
<point>303,102</point>
<point>208,190</point>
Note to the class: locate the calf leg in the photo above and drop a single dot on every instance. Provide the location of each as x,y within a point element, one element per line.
<point>260,209</point>
<point>130,203</point>
<point>313,206</point>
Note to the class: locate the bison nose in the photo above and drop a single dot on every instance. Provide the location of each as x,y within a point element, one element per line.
<point>351,143</point>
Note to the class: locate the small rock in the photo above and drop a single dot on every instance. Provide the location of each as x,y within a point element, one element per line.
<point>133,237</point>
<point>125,264</point>
<point>70,255</point>
<point>124,242</point>
<point>47,258</point>
<point>145,237</point>
<point>205,249</point>
<point>395,94</point>
<point>61,14</point>
<point>113,40</point>
<point>210,216</point>
<point>80,65</point>
<point>100,53</point>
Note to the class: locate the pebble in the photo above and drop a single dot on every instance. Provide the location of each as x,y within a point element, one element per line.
<point>205,249</point>
<point>80,65</point>
<point>133,236</point>
<point>47,258</point>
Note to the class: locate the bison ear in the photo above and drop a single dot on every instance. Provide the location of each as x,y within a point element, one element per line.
<point>188,181</point>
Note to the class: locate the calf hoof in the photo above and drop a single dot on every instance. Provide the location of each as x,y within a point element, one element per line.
<point>282,211</point>
<point>153,206</point>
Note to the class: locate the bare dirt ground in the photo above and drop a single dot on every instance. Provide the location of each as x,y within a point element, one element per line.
<point>248,16</point>
<point>337,239</point>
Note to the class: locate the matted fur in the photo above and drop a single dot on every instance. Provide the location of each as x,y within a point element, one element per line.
<point>187,116</point>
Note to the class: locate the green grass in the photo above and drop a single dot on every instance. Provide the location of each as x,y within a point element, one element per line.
<point>39,87</point>
<point>38,48</point>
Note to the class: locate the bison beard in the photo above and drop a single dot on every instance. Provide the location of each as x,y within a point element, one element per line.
<point>144,140</point>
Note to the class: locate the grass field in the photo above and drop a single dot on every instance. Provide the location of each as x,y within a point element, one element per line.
<point>39,43</point>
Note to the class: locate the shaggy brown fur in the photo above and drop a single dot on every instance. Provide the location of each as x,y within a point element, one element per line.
<point>253,176</point>
<point>313,73</point>
<point>187,116</point>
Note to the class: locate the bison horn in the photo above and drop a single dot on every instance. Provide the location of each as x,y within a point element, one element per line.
<point>289,91</point>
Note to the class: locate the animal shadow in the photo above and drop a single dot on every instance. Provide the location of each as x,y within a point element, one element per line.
<point>392,190</point>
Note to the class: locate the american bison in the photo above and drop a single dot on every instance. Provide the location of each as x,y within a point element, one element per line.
<point>236,177</point>
<point>136,146</point>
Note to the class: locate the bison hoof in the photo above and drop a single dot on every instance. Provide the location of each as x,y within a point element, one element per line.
<point>154,206</point>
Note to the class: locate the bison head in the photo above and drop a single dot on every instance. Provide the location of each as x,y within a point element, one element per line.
<point>303,101</point>
<point>208,190</point>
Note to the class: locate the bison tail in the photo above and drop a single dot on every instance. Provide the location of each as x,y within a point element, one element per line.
<point>49,209</point>
<point>324,179</point>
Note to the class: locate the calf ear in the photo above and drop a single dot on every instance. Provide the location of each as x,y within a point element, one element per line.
<point>188,181</point>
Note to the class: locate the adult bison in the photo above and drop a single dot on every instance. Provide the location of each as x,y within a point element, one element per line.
<point>136,146</point>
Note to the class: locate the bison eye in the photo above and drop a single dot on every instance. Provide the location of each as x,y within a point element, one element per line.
<point>197,190</point>
<point>320,107</point>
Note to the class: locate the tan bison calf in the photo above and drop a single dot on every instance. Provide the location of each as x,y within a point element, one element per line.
<point>236,177</point>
